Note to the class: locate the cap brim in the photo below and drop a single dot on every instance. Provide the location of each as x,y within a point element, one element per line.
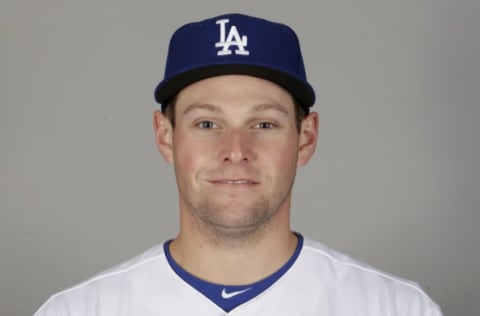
<point>301,90</point>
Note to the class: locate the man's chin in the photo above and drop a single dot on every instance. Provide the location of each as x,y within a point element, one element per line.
<point>234,224</point>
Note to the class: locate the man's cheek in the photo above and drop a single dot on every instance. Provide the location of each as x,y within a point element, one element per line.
<point>187,158</point>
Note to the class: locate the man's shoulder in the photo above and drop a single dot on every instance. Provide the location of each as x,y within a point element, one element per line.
<point>137,262</point>
<point>341,265</point>
<point>356,279</point>
<point>108,281</point>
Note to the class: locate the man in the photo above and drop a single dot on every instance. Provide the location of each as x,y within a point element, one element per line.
<point>235,124</point>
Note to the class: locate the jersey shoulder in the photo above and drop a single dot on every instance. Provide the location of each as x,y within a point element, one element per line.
<point>105,284</point>
<point>359,281</point>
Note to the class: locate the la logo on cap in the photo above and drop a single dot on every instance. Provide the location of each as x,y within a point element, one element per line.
<point>233,38</point>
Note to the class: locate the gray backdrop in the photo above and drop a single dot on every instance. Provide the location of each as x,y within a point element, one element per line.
<point>394,182</point>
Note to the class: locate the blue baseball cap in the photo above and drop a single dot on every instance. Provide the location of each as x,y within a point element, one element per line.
<point>235,44</point>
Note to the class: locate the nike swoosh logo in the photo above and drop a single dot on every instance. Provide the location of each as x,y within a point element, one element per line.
<point>227,295</point>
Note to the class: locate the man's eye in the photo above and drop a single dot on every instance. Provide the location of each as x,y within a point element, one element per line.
<point>206,124</point>
<point>265,125</point>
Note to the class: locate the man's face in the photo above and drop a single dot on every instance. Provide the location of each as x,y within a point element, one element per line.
<point>235,150</point>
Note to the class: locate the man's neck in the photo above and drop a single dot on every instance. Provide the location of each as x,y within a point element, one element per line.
<point>233,264</point>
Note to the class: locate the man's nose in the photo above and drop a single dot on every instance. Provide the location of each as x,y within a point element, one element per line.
<point>237,147</point>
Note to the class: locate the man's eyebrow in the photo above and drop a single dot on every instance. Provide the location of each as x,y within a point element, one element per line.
<point>202,106</point>
<point>269,106</point>
<point>216,109</point>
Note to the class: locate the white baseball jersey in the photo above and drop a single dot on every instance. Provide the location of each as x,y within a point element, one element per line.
<point>320,281</point>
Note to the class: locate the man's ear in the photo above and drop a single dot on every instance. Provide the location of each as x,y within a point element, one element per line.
<point>163,135</point>
<point>308,138</point>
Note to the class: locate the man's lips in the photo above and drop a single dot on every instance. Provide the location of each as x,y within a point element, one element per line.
<point>229,181</point>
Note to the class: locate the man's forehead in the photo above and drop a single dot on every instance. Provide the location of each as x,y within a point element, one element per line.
<point>223,81</point>
<point>258,93</point>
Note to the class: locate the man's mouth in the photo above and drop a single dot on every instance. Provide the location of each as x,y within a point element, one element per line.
<point>234,181</point>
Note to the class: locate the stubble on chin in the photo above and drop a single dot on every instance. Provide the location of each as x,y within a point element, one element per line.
<point>227,225</point>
